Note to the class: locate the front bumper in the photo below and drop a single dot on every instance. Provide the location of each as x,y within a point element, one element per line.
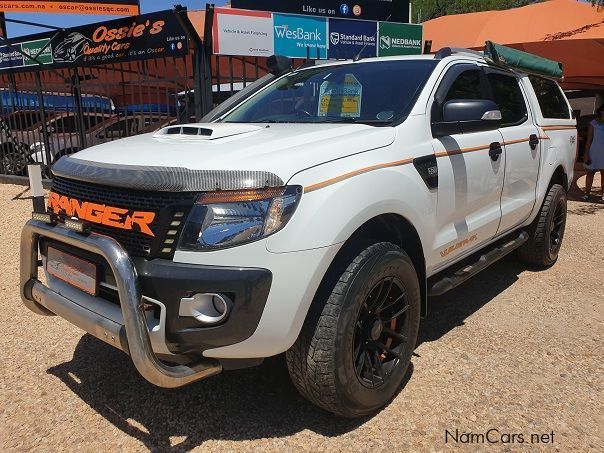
<point>126,327</point>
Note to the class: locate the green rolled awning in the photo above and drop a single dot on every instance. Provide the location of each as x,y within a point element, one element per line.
<point>523,61</point>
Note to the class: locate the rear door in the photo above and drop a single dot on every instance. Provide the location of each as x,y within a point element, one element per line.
<point>470,180</point>
<point>522,149</point>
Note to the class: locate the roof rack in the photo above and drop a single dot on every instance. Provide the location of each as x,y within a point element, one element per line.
<point>448,51</point>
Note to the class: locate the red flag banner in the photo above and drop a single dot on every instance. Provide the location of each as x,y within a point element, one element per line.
<point>108,7</point>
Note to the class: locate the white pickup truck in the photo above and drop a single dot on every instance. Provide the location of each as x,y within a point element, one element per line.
<point>312,215</point>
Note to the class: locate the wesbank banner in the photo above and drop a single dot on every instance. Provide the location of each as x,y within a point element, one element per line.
<point>138,38</point>
<point>257,33</point>
<point>109,7</point>
<point>300,36</point>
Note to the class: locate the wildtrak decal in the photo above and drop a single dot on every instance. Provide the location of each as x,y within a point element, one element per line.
<point>459,245</point>
<point>101,214</point>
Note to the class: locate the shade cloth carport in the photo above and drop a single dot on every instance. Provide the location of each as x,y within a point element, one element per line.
<point>562,30</point>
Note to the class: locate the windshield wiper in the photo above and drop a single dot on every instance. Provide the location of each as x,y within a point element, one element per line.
<point>354,121</point>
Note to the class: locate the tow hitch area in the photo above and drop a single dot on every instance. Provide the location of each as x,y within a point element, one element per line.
<point>132,336</point>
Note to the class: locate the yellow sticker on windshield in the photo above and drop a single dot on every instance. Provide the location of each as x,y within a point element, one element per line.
<point>341,98</point>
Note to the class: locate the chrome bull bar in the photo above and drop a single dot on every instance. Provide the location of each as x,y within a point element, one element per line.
<point>133,336</point>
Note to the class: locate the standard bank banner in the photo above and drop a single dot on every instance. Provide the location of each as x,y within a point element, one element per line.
<point>256,33</point>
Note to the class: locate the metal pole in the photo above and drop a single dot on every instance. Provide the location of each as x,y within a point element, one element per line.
<point>206,62</point>
<point>35,187</point>
<point>43,118</point>
<point>77,97</point>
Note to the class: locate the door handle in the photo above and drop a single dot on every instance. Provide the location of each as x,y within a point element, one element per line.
<point>533,141</point>
<point>495,151</point>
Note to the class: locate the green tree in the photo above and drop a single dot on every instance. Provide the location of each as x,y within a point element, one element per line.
<point>430,9</point>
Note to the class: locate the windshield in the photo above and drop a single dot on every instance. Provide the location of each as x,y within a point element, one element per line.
<point>377,93</point>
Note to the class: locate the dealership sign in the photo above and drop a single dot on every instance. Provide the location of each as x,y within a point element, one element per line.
<point>300,36</point>
<point>395,10</point>
<point>399,39</point>
<point>11,58</point>
<point>109,7</point>
<point>147,36</point>
<point>243,33</point>
<point>349,38</point>
<point>255,33</point>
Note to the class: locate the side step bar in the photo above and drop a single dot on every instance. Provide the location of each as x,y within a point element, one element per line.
<point>440,284</point>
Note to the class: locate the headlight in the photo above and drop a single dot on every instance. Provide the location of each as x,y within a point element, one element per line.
<point>224,219</point>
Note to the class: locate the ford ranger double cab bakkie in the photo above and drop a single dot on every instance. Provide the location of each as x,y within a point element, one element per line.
<point>312,214</point>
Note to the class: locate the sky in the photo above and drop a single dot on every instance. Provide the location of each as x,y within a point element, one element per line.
<point>73,20</point>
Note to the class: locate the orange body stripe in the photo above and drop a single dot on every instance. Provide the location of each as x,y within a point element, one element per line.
<point>558,128</point>
<point>399,163</point>
<point>331,181</point>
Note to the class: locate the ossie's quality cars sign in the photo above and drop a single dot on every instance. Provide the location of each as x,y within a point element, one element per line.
<point>137,38</point>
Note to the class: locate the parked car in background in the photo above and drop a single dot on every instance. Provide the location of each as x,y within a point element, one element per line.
<point>64,138</point>
<point>19,130</point>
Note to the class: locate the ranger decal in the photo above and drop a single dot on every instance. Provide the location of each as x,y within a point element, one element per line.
<point>124,219</point>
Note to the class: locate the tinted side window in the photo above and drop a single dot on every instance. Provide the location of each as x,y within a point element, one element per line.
<point>23,120</point>
<point>65,125</point>
<point>92,120</point>
<point>466,86</point>
<point>551,100</point>
<point>508,96</point>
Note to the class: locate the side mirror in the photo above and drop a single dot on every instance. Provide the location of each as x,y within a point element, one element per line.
<point>467,115</point>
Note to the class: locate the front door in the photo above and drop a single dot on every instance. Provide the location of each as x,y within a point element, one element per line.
<point>470,179</point>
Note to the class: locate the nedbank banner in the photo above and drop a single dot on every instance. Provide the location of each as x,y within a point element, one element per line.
<point>399,39</point>
<point>109,7</point>
<point>138,38</point>
<point>255,33</point>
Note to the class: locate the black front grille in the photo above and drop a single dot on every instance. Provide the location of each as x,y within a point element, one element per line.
<point>170,210</point>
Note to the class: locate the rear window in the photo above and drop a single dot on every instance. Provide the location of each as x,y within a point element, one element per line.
<point>551,99</point>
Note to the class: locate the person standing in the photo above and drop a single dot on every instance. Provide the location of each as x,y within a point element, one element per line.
<point>594,152</point>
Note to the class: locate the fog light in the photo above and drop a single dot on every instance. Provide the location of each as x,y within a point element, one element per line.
<point>207,308</point>
<point>42,217</point>
<point>75,225</point>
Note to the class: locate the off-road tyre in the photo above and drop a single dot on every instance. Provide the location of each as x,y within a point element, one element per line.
<point>322,364</point>
<point>547,231</point>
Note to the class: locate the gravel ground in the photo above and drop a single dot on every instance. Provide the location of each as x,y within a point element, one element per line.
<point>514,350</point>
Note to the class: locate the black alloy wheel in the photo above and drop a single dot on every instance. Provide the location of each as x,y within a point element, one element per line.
<point>381,333</point>
<point>557,227</point>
